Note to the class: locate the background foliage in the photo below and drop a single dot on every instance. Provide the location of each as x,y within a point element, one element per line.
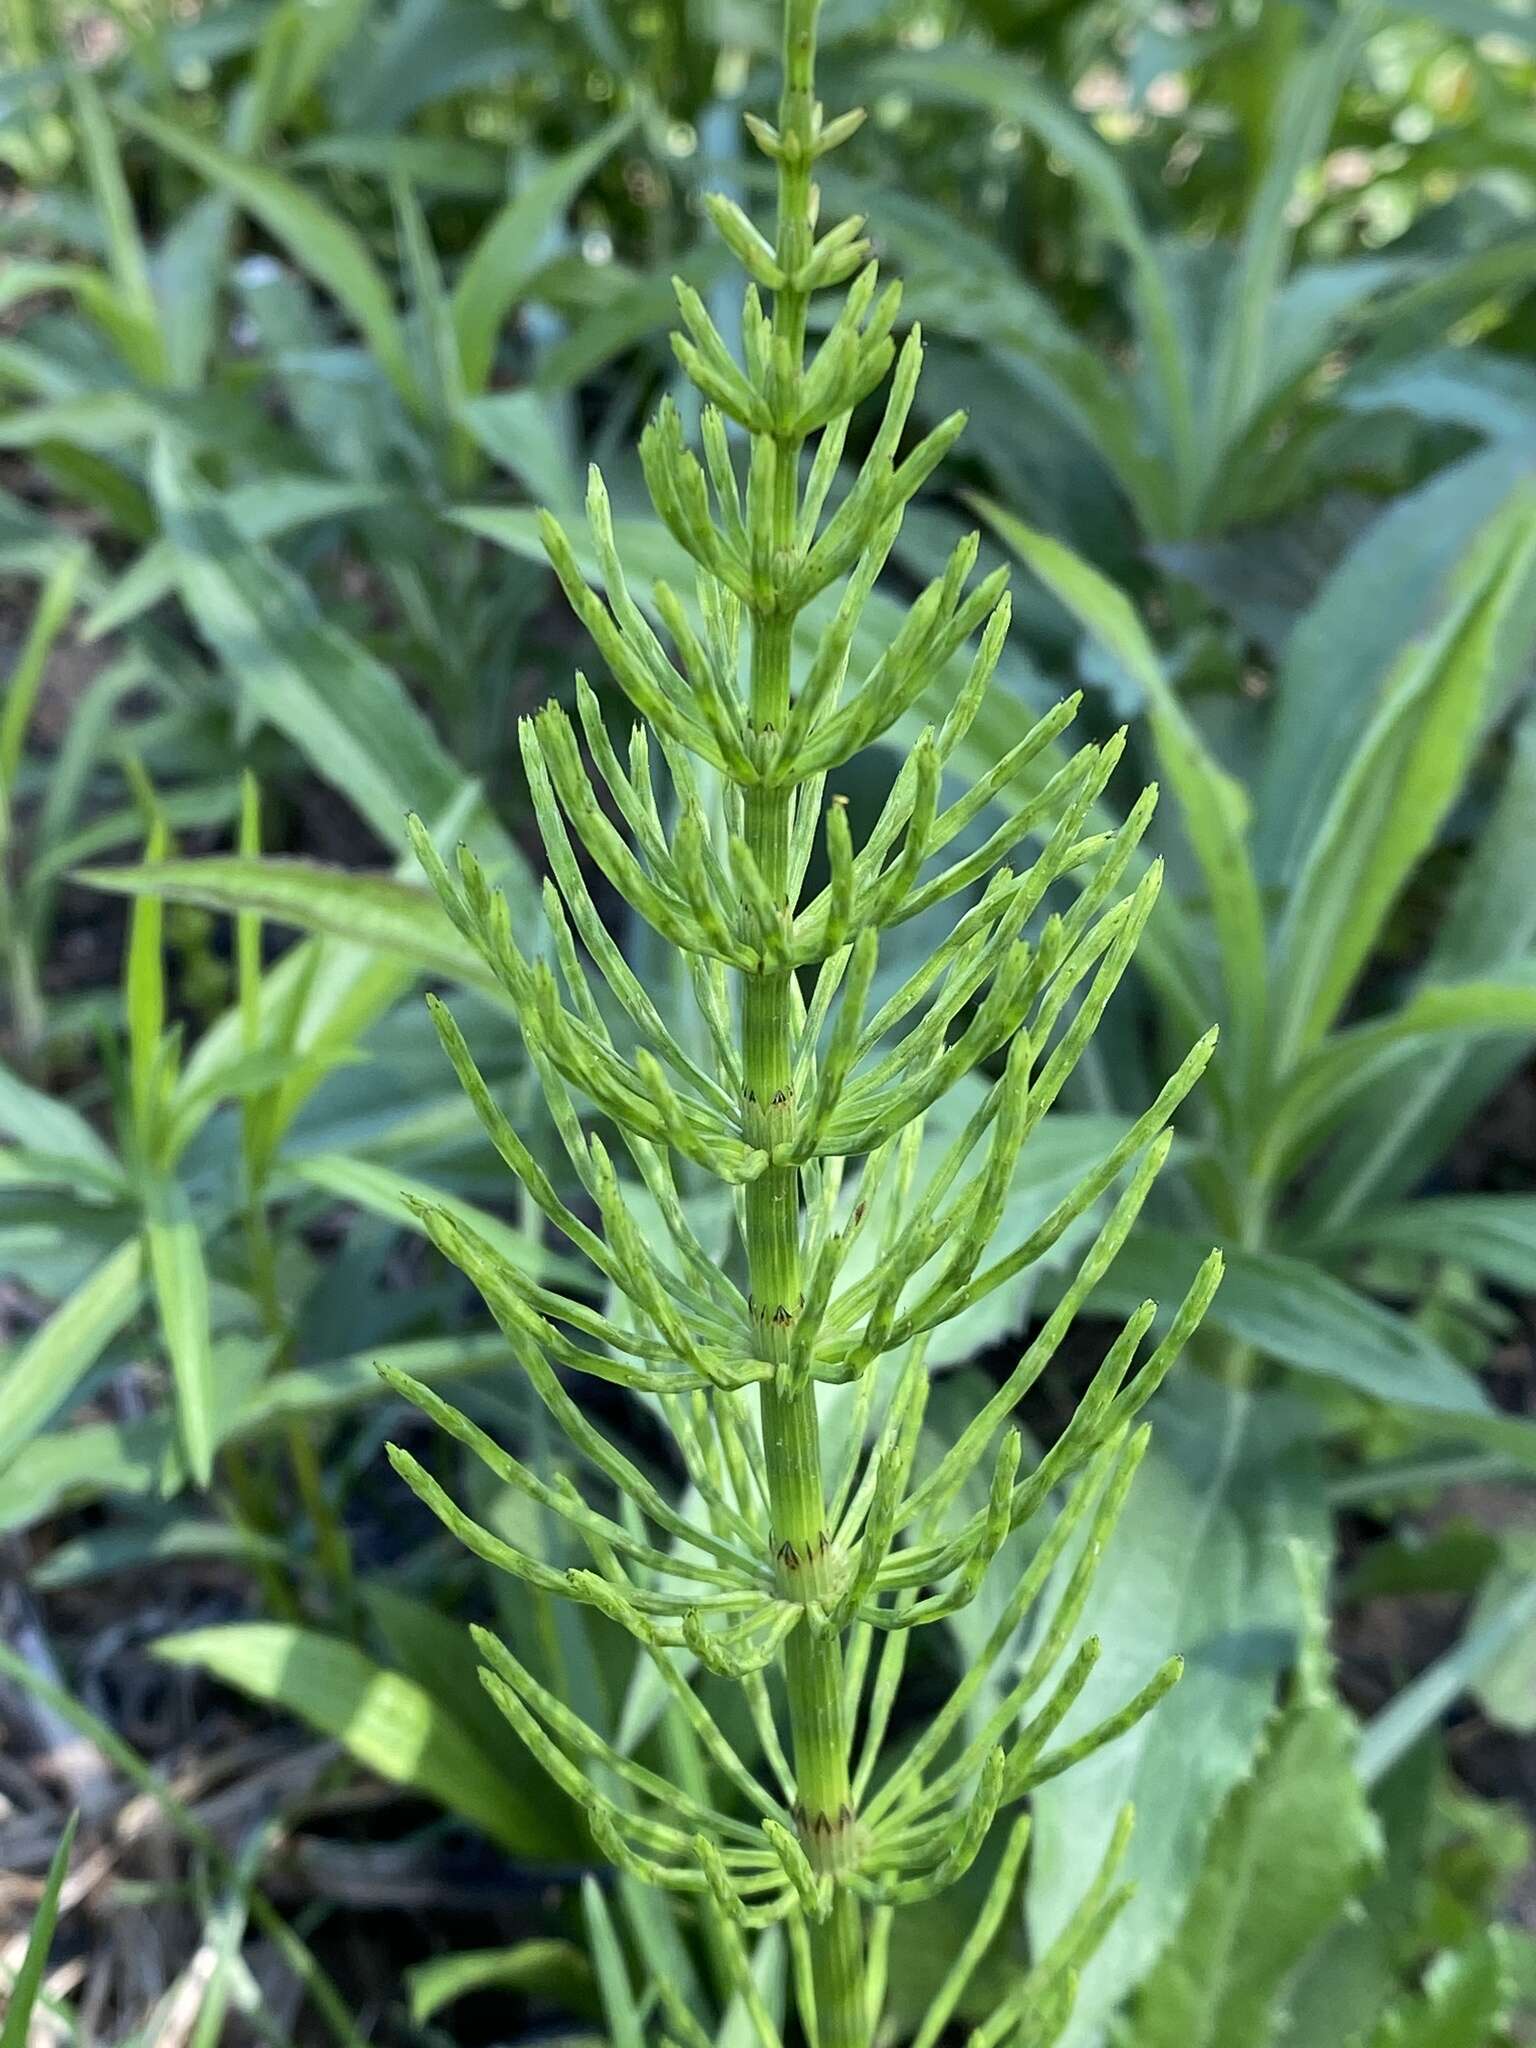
<point>304,305</point>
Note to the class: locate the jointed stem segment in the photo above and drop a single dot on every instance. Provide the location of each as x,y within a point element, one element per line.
<point>791,1438</point>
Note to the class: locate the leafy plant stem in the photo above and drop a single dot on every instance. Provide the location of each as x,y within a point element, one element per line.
<point>331,1544</point>
<point>252,1507</point>
<point>791,1435</point>
<point>804,1556</point>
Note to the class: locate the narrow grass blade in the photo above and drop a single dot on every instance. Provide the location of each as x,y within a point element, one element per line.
<point>180,1280</point>
<point>16,2032</point>
<point>46,1370</point>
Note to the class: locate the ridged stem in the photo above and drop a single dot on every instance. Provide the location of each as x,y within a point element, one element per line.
<point>791,1435</point>
<point>792,1457</point>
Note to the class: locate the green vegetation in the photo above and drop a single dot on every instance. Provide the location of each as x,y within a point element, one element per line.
<point>825,1023</point>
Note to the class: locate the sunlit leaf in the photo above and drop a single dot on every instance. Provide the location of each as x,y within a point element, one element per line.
<point>390,1725</point>
<point>180,1280</point>
<point>41,1376</point>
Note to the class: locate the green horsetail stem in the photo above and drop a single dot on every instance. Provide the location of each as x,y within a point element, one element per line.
<point>803,1097</point>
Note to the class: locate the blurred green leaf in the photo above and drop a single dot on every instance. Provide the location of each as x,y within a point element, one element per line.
<point>1506,1691</point>
<point>86,1462</point>
<point>49,617</point>
<point>180,1280</point>
<point>346,713</point>
<point>1422,1702</point>
<point>126,253</point>
<point>1306,103</point>
<point>625,2023</point>
<point>1398,1132</point>
<point>1300,1317</point>
<point>428,49</point>
<point>962,286</point>
<point>519,430</point>
<point>1493,1234</point>
<point>1199,1565</point>
<point>1327,1080</point>
<point>1392,798</point>
<point>1386,589</point>
<point>1288,1851</point>
<point>373,910</point>
<point>386,1191</point>
<point>43,1374</point>
<point>442,163</point>
<point>16,2031</point>
<point>300,42</point>
<point>437,1651</point>
<point>92,1461</point>
<point>1465,1999</point>
<point>51,1129</point>
<point>550,1969</point>
<point>1213,806</point>
<point>264,510</point>
<point>318,240</point>
<point>385,1721</point>
<point>511,248</point>
<point>1005,87</point>
<point>150,1053</point>
<point>81,1560</point>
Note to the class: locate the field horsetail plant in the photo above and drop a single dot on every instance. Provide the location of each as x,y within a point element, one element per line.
<point>796,1568</point>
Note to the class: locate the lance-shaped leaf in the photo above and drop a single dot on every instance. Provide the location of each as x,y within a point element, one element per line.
<point>384,1720</point>
<point>1199,1565</point>
<point>1212,805</point>
<point>503,261</point>
<point>376,910</point>
<point>298,670</point>
<point>1347,1063</point>
<point>319,240</point>
<point>179,1275</point>
<point>1291,1846</point>
<point>1408,770</point>
<point>43,1374</point>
